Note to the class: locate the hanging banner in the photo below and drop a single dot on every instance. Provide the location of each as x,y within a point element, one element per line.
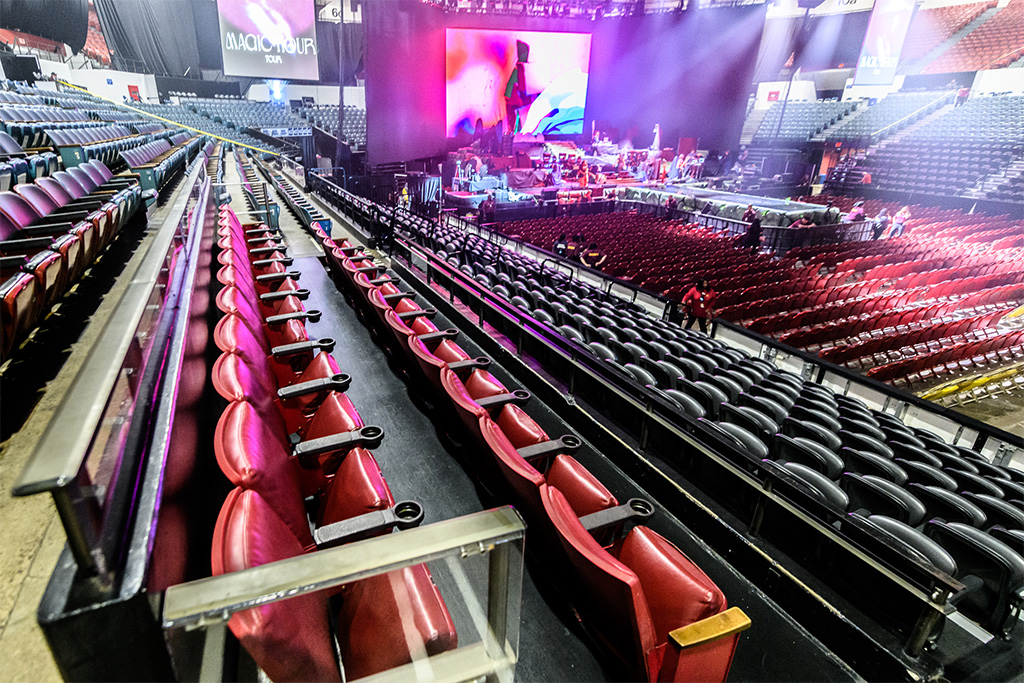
<point>883,42</point>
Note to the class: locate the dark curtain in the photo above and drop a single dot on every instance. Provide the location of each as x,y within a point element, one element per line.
<point>330,43</point>
<point>157,37</point>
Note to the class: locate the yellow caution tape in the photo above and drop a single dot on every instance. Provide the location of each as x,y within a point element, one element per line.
<point>175,123</point>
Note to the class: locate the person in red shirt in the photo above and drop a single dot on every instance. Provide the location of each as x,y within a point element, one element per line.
<point>701,301</point>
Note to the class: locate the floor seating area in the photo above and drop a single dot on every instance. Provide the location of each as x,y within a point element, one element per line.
<point>995,44</point>
<point>51,231</point>
<point>665,257</point>
<point>950,280</point>
<point>802,120</point>
<point>947,503</point>
<point>930,27</point>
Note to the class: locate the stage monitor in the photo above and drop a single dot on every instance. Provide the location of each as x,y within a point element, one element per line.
<point>883,42</point>
<point>269,38</point>
<point>530,81</point>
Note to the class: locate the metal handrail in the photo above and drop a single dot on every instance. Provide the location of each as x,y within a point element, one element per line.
<point>913,113</point>
<point>214,599</point>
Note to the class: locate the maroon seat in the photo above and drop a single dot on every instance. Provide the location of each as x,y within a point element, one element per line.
<point>477,397</point>
<point>291,639</point>
<point>19,310</point>
<point>31,207</point>
<point>526,481</point>
<point>234,334</point>
<point>105,214</point>
<point>638,592</point>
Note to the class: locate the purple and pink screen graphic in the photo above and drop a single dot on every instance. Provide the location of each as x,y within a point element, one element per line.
<point>531,81</point>
<point>269,38</point>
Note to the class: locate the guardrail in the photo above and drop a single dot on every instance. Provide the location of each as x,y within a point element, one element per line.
<point>95,441</point>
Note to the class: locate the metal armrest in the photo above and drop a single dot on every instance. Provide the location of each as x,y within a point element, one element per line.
<point>311,315</point>
<point>260,231</point>
<point>308,451</point>
<point>632,509</point>
<point>7,246</point>
<point>439,336</point>
<point>727,623</point>
<point>518,397</point>
<point>46,229</point>
<point>483,362</point>
<point>376,282</point>
<point>255,240</point>
<point>568,444</point>
<point>419,313</point>
<point>86,204</point>
<point>367,269</point>
<point>300,294</point>
<point>272,277</point>
<point>65,216</point>
<point>325,344</point>
<point>348,251</point>
<point>268,250</point>
<point>405,514</point>
<point>398,296</point>
<point>337,383</point>
<point>263,263</point>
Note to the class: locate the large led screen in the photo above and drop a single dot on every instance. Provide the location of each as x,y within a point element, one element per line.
<point>531,81</point>
<point>269,38</point>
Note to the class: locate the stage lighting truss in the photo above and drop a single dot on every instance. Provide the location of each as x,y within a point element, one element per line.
<point>582,9</point>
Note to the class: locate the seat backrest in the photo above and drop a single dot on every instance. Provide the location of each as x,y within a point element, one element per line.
<point>72,185</point>
<point>607,593</point>
<point>56,191</point>
<point>998,567</point>
<point>880,496</point>
<point>253,457</point>
<point>21,210</point>
<point>289,639</point>
<point>824,487</point>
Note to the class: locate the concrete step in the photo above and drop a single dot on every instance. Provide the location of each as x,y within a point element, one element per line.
<point>751,124</point>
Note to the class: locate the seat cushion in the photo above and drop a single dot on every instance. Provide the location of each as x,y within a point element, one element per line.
<point>389,620</point>
<point>358,487</point>
<point>582,489</point>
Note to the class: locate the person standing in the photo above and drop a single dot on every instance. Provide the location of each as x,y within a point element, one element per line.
<point>752,239</point>
<point>899,222</point>
<point>961,96</point>
<point>700,300</point>
<point>750,214</point>
<point>881,223</point>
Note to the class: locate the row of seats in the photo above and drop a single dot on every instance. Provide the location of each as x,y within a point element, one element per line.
<point>50,233</point>
<point>19,166</point>
<point>930,27</point>
<point>631,587</point>
<point>157,161</point>
<point>290,432</point>
<point>995,44</point>
<point>894,112</point>
<point>909,484</point>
